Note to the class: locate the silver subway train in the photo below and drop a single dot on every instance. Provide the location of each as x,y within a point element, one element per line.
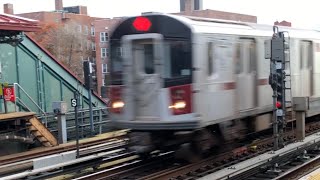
<point>176,79</point>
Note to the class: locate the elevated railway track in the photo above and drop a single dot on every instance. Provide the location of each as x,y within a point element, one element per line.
<point>31,160</point>
<point>250,161</point>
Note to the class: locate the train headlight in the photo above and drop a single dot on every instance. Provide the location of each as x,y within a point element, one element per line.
<point>117,104</point>
<point>178,105</point>
<point>180,97</point>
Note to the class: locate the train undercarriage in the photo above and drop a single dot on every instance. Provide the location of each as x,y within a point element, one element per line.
<point>193,145</point>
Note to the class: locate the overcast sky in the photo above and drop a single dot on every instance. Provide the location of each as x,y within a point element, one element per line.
<point>302,13</point>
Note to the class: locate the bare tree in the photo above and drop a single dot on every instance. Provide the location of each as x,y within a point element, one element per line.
<point>66,43</point>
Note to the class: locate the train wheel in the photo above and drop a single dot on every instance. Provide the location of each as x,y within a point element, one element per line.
<point>140,142</point>
<point>200,146</point>
<point>203,141</point>
<point>187,153</point>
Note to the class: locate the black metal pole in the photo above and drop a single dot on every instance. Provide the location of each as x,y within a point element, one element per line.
<point>87,69</point>
<point>274,115</point>
<point>90,105</point>
<point>77,124</point>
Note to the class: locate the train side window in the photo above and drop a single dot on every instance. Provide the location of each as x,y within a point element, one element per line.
<point>238,59</point>
<point>211,58</point>
<point>310,55</point>
<point>301,55</point>
<point>245,56</point>
<point>305,55</point>
<point>252,57</point>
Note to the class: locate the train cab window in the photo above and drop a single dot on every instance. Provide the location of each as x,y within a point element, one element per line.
<point>180,66</point>
<point>148,59</point>
<point>177,62</point>
<point>143,55</point>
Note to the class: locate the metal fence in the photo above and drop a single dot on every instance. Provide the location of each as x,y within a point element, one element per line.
<point>101,123</point>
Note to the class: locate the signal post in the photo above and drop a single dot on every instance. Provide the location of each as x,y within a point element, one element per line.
<point>275,51</point>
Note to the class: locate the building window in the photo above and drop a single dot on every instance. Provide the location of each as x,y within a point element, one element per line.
<point>66,27</point>
<point>103,83</point>
<point>182,5</point>
<point>93,46</point>
<point>104,68</point>
<point>86,30</point>
<point>79,28</point>
<point>104,37</point>
<point>81,45</point>
<point>104,52</point>
<point>93,31</point>
<point>197,5</point>
<point>88,45</point>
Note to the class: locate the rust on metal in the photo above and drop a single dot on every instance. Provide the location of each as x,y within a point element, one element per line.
<point>16,23</point>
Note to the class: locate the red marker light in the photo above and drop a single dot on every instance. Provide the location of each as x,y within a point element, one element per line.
<point>142,24</point>
<point>278,104</point>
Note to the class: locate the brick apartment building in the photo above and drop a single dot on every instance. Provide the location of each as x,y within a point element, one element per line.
<point>65,15</point>
<point>103,28</point>
<point>98,30</point>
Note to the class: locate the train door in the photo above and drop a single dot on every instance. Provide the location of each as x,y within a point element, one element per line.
<point>306,61</point>
<point>143,66</point>
<point>220,81</point>
<point>245,67</point>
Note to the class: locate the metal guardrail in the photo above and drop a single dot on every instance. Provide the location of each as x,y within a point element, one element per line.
<point>100,117</point>
<point>22,103</point>
<point>16,87</point>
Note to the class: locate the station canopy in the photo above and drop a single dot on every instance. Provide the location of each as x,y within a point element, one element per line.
<point>12,28</point>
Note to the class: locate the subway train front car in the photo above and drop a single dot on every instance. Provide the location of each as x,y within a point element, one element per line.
<point>151,90</point>
<point>186,81</point>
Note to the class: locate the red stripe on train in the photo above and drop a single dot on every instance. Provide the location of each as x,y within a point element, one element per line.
<point>233,85</point>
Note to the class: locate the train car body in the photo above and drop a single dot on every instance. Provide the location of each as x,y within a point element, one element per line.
<point>171,74</point>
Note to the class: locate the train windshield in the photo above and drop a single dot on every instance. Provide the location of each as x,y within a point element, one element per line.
<point>176,66</point>
<point>177,62</point>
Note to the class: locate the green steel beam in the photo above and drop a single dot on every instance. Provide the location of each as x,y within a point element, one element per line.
<point>42,77</point>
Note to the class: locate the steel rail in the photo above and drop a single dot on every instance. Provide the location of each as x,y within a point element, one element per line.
<point>40,152</point>
<point>57,166</point>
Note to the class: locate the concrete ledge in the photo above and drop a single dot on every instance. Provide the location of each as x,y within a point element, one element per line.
<point>261,159</point>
